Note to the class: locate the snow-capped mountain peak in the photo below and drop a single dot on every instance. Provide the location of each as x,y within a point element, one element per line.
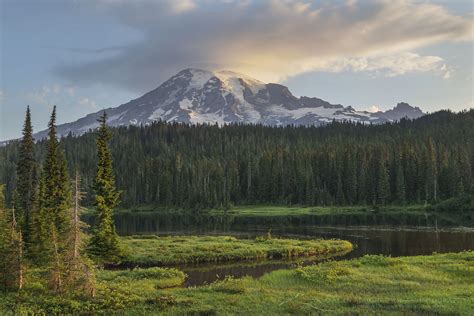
<point>201,96</point>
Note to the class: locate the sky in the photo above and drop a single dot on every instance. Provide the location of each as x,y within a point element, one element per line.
<point>87,55</point>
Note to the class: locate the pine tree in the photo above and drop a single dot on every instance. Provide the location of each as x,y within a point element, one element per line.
<point>400,195</point>
<point>80,274</point>
<point>431,173</point>
<point>27,185</point>
<point>104,246</point>
<point>52,220</point>
<point>382,180</point>
<point>11,248</point>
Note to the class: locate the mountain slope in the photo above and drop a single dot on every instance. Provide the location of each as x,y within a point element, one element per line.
<point>199,96</point>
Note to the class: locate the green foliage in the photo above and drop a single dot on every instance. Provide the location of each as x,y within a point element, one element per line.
<point>378,261</point>
<point>230,285</point>
<point>11,248</point>
<point>437,284</point>
<point>51,222</point>
<point>328,272</point>
<point>147,251</point>
<point>462,203</point>
<point>162,277</point>
<point>104,245</point>
<point>26,195</point>
<point>195,167</point>
<point>116,291</point>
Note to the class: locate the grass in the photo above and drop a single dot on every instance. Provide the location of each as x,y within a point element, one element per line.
<point>262,210</point>
<point>437,284</point>
<point>153,250</point>
<point>440,284</point>
<point>116,290</point>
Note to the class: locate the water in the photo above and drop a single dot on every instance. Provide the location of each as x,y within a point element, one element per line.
<point>401,242</point>
<point>424,239</point>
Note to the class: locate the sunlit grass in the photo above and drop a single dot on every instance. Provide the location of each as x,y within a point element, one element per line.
<point>441,284</point>
<point>438,284</point>
<point>154,250</point>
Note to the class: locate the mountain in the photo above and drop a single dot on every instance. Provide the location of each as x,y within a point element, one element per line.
<point>201,96</point>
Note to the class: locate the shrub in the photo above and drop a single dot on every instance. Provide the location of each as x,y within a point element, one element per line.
<point>229,285</point>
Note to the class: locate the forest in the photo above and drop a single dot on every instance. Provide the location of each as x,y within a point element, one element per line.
<point>51,262</point>
<point>343,163</point>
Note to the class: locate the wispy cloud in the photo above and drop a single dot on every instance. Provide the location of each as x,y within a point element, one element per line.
<point>80,50</point>
<point>387,66</point>
<point>273,39</point>
<point>88,103</point>
<point>56,94</point>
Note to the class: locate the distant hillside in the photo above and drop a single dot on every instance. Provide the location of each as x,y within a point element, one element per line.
<point>342,163</point>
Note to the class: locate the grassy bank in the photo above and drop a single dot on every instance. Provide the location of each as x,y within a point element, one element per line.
<point>437,284</point>
<point>153,250</point>
<point>116,291</point>
<point>266,210</point>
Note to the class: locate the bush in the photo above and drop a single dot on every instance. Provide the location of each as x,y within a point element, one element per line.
<point>378,261</point>
<point>229,285</point>
<point>325,272</point>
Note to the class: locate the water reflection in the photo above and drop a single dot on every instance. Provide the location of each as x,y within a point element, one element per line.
<point>367,241</point>
<point>393,242</point>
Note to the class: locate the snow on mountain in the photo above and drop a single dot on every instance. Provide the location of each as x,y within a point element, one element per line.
<point>200,96</point>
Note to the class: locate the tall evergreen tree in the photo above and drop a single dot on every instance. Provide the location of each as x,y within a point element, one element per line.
<point>400,195</point>
<point>80,274</point>
<point>382,180</point>
<point>431,173</point>
<point>104,246</point>
<point>11,248</point>
<point>52,220</point>
<point>27,180</point>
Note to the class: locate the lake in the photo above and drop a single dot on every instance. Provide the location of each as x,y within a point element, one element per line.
<point>386,241</point>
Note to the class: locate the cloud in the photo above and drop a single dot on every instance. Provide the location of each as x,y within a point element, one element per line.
<point>2,96</point>
<point>271,40</point>
<point>43,96</point>
<point>388,66</point>
<point>88,103</point>
<point>56,94</point>
<point>373,109</point>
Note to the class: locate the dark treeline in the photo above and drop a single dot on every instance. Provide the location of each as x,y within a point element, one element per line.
<point>169,164</point>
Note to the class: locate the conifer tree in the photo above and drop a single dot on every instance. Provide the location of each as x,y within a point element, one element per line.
<point>27,185</point>
<point>80,274</point>
<point>399,182</point>
<point>431,172</point>
<point>11,248</point>
<point>104,246</point>
<point>382,180</point>
<point>52,220</point>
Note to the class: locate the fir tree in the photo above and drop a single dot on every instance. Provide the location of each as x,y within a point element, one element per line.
<point>400,195</point>
<point>80,274</point>
<point>27,185</point>
<point>11,248</point>
<point>431,174</point>
<point>52,220</point>
<point>382,180</point>
<point>104,246</point>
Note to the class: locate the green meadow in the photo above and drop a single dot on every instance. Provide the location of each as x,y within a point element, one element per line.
<point>440,284</point>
